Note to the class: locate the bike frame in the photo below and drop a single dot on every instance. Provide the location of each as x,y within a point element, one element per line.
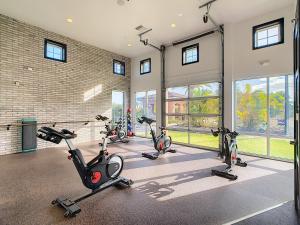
<point>154,138</point>
<point>233,149</point>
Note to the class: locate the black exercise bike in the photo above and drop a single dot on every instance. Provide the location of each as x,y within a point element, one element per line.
<point>116,133</point>
<point>162,143</point>
<point>100,173</point>
<point>229,153</point>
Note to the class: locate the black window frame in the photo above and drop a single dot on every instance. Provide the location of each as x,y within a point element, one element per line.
<point>279,21</point>
<point>186,48</point>
<point>59,44</point>
<point>122,64</point>
<point>143,61</point>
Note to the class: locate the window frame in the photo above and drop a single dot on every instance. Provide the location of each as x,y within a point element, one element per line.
<point>256,28</point>
<point>122,64</point>
<point>59,44</point>
<point>184,49</point>
<point>143,61</point>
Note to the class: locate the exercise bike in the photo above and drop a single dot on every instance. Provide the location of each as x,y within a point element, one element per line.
<point>98,174</point>
<point>162,143</point>
<point>229,153</point>
<point>115,134</point>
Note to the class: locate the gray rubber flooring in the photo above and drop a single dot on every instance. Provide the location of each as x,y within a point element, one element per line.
<point>282,215</point>
<point>175,189</point>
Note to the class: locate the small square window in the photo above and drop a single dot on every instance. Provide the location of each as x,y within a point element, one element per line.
<point>118,67</point>
<point>145,66</point>
<point>190,54</point>
<point>55,51</point>
<point>268,34</point>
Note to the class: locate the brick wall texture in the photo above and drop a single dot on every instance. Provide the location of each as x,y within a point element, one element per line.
<point>53,91</point>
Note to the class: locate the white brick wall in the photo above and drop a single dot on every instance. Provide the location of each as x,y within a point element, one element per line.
<point>52,91</point>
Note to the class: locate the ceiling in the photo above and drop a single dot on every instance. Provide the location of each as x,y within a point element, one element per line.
<point>110,24</point>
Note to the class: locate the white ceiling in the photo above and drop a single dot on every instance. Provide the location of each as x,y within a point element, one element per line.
<point>111,26</point>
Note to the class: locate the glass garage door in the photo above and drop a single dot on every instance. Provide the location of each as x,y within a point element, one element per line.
<point>191,112</point>
<point>264,116</point>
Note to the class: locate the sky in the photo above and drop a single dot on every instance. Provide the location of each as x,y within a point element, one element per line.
<point>118,97</point>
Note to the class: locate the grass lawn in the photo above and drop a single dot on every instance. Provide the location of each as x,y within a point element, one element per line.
<point>279,147</point>
<point>206,140</point>
<point>252,144</point>
<point>177,136</point>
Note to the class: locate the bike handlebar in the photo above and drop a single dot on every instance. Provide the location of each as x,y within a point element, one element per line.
<point>146,120</point>
<point>224,131</point>
<point>49,134</point>
<point>102,118</point>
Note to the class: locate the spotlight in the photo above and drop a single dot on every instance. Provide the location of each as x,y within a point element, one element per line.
<point>205,18</point>
<point>145,42</point>
<point>121,2</point>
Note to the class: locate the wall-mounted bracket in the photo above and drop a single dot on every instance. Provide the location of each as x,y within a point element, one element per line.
<point>207,17</point>
<point>146,41</point>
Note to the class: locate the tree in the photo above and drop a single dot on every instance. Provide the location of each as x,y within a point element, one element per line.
<point>277,100</point>
<point>251,109</point>
<point>204,106</point>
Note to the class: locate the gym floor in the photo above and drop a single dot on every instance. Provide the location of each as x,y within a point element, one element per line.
<point>175,189</point>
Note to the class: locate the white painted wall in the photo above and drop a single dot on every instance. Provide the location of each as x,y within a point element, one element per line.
<point>146,82</point>
<point>241,62</point>
<point>208,68</point>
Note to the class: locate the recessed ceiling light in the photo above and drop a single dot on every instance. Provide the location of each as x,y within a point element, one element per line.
<point>180,14</point>
<point>129,45</point>
<point>69,20</point>
<point>173,25</point>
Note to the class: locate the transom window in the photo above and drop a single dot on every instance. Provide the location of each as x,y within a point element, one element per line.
<point>55,51</point>
<point>145,66</point>
<point>268,34</point>
<point>118,67</point>
<point>190,54</point>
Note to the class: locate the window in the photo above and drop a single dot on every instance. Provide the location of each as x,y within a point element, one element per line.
<point>264,116</point>
<point>190,54</point>
<point>145,105</point>
<point>268,34</point>
<point>191,111</point>
<point>145,66</point>
<point>177,92</point>
<point>119,67</point>
<point>117,106</point>
<point>55,51</point>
